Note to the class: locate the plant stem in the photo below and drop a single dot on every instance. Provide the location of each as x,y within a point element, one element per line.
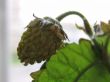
<point>107,42</point>
<point>60,17</point>
<point>101,52</point>
<point>86,23</point>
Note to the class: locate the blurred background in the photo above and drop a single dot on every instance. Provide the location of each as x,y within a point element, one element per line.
<point>16,14</point>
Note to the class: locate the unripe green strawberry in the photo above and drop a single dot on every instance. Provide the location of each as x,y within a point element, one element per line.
<point>40,41</point>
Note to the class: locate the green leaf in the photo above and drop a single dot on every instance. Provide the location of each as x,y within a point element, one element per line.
<point>105,27</point>
<point>98,73</point>
<point>36,74</point>
<point>74,63</point>
<point>108,48</point>
<point>102,40</point>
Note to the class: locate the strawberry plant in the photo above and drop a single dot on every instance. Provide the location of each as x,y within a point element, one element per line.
<point>86,61</point>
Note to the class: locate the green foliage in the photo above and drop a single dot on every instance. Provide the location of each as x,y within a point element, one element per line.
<point>87,61</point>
<point>69,63</point>
<point>105,27</point>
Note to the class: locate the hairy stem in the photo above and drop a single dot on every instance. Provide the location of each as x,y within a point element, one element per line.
<point>101,52</point>
<point>86,23</point>
<point>107,42</point>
